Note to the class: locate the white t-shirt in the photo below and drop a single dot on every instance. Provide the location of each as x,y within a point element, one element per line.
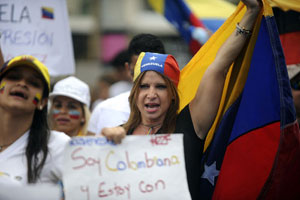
<point>119,88</point>
<point>13,162</point>
<point>109,113</point>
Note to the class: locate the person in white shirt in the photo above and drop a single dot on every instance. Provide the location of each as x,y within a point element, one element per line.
<point>29,151</point>
<point>115,111</point>
<point>69,110</point>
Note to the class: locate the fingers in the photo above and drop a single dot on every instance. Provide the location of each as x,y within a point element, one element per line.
<point>115,134</point>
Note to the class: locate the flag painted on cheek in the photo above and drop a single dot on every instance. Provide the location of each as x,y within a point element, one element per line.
<point>253,147</point>
<point>37,98</point>
<point>55,113</point>
<point>2,86</point>
<point>74,114</point>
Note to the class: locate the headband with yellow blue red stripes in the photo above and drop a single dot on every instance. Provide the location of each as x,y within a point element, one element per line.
<point>162,63</point>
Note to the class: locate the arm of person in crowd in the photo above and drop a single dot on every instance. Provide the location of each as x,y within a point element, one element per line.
<point>204,106</point>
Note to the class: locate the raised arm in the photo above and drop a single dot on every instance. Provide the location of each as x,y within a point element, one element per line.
<point>205,105</point>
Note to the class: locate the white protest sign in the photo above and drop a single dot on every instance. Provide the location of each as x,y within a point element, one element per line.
<point>39,28</point>
<point>30,192</point>
<point>142,167</point>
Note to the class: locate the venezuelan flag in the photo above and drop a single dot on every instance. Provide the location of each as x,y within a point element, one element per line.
<point>47,13</point>
<point>37,99</point>
<point>179,14</point>
<point>253,147</point>
<point>286,5</point>
<point>2,86</point>
<point>194,20</point>
<point>213,13</point>
<point>74,114</point>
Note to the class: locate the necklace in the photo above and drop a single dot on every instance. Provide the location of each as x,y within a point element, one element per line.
<point>150,127</point>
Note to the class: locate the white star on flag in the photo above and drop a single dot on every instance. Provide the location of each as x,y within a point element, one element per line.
<point>210,172</point>
<point>152,58</point>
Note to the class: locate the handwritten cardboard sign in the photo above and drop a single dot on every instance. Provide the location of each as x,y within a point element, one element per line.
<point>40,29</point>
<point>142,167</point>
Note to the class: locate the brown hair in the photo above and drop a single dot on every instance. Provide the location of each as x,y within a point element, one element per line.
<point>135,115</point>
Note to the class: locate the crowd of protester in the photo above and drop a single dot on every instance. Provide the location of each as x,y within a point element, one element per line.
<point>38,121</point>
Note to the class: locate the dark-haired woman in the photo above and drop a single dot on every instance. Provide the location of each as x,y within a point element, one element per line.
<point>29,152</point>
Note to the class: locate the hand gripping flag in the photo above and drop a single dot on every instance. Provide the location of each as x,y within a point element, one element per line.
<point>252,150</point>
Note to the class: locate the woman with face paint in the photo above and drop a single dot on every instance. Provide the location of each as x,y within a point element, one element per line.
<point>69,111</point>
<point>29,152</point>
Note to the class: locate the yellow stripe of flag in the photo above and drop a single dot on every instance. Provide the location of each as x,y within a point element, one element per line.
<point>158,5</point>
<point>137,68</point>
